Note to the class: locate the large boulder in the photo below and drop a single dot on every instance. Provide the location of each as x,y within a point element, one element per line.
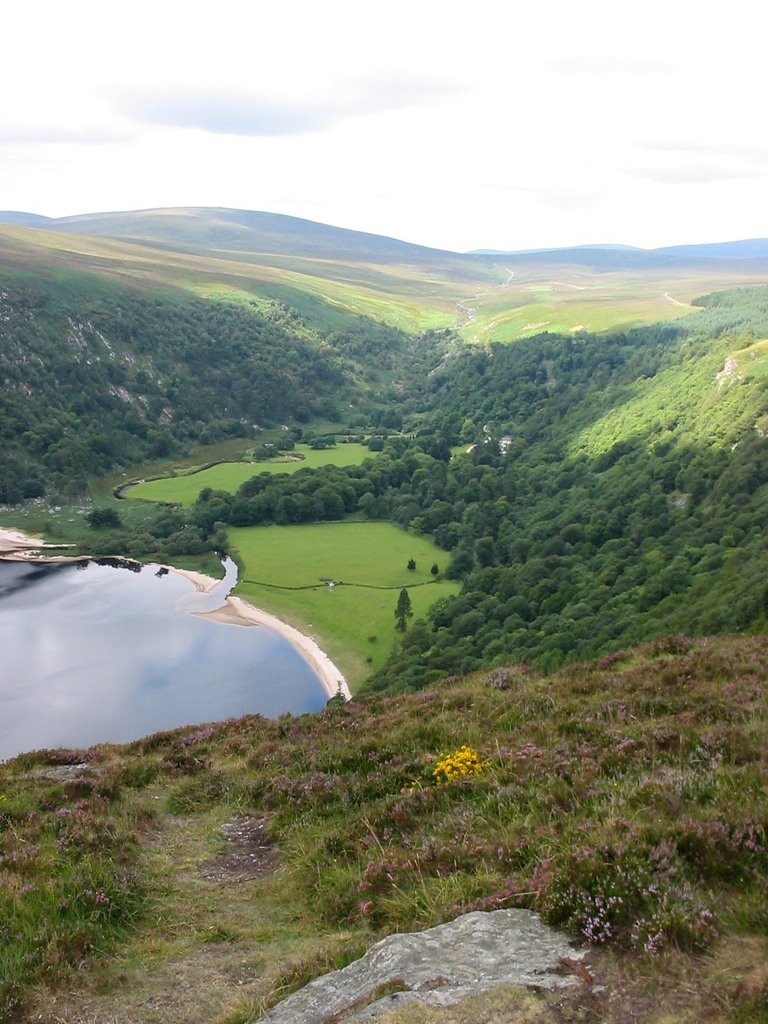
<point>438,967</point>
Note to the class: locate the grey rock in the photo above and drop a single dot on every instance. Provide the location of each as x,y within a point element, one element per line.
<point>438,967</point>
<point>66,772</point>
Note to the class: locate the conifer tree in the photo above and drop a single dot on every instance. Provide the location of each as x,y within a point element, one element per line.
<point>403,611</point>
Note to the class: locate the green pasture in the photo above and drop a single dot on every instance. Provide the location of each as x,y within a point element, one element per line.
<point>412,313</point>
<point>559,310</point>
<point>354,623</point>
<point>567,299</point>
<point>228,476</point>
<point>330,301</point>
<point>326,292</point>
<point>369,554</point>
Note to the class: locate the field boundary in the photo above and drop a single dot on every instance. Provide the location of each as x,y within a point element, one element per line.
<point>340,583</point>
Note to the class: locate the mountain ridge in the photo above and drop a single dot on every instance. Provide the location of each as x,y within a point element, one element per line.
<point>232,229</point>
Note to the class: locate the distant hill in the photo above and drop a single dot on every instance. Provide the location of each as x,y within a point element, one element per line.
<point>253,231</point>
<point>328,274</point>
<point>24,220</point>
<point>749,249</point>
<point>625,256</point>
<point>240,231</point>
<point>558,249</point>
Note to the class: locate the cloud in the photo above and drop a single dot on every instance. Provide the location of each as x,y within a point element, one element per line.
<point>601,65</point>
<point>238,114</point>
<point>42,135</point>
<point>572,197</point>
<point>228,115</point>
<point>695,173</point>
<point>569,198</point>
<point>749,153</point>
<point>699,163</point>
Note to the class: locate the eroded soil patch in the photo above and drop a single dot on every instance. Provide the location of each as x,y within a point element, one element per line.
<point>250,853</point>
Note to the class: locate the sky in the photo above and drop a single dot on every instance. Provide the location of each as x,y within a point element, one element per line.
<point>491,124</point>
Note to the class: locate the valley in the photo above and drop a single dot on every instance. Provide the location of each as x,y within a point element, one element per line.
<point>558,457</point>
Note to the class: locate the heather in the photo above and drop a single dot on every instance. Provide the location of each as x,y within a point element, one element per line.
<point>625,800</point>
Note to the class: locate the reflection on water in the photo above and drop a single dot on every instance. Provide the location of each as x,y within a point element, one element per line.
<point>91,653</point>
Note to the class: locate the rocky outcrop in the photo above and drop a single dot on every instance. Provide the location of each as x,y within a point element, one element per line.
<point>438,967</point>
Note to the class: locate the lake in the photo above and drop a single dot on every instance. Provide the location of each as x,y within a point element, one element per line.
<point>94,653</point>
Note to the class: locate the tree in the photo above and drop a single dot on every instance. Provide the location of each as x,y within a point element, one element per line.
<point>103,517</point>
<point>411,565</point>
<point>434,570</point>
<point>403,611</point>
<point>323,442</point>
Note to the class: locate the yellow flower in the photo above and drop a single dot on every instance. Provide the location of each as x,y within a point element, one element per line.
<point>463,763</point>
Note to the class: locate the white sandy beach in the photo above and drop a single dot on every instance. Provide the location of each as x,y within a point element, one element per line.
<point>238,612</point>
<point>15,540</point>
<point>203,584</point>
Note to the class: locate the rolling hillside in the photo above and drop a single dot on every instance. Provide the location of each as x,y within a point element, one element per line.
<point>102,367</point>
<point>328,274</point>
<point>252,231</point>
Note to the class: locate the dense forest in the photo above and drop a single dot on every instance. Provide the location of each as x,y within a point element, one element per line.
<point>97,378</point>
<point>592,491</point>
<point>612,490</point>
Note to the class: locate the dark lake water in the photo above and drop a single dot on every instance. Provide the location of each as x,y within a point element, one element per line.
<point>93,653</point>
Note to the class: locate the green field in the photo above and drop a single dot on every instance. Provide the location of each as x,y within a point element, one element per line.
<point>355,622</point>
<point>566,299</point>
<point>228,476</point>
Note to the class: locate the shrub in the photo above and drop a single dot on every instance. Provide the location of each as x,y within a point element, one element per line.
<point>463,763</point>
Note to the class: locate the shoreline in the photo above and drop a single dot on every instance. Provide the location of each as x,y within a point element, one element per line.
<point>236,611</point>
<point>14,541</point>
<point>203,584</point>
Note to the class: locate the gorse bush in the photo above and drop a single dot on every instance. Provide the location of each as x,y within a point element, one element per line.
<point>463,763</point>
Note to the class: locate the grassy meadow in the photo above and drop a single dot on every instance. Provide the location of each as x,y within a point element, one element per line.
<point>283,569</point>
<point>327,293</point>
<point>753,360</point>
<point>228,476</point>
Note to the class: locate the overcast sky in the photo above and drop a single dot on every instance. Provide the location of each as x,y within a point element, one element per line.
<point>493,123</point>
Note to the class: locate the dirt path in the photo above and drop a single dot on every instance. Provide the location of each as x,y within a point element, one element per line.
<point>676,302</point>
<point>201,951</point>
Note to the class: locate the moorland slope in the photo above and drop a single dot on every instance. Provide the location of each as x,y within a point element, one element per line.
<point>205,873</point>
